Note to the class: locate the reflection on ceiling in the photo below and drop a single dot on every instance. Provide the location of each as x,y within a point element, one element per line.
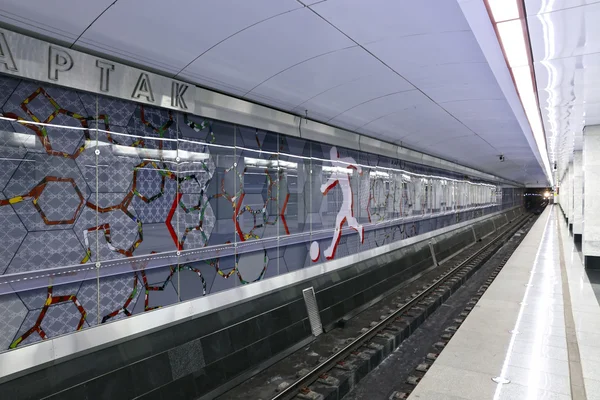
<point>565,41</point>
<point>393,70</point>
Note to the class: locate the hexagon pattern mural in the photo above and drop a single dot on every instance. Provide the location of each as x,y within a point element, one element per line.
<point>88,181</point>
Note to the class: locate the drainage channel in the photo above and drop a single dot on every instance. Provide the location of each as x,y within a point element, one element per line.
<point>336,361</point>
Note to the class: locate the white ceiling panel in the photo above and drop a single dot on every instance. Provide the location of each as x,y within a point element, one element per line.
<point>471,151</point>
<point>388,133</point>
<point>505,131</point>
<point>470,158</point>
<point>498,140</point>
<point>433,76</point>
<point>64,20</point>
<point>220,85</point>
<point>380,82</point>
<point>253,56</point>
<point>468,152</point>
<point>407,53</point>
<point>466,142</point>
<point>426,141</point>
<point>371,110</point>
<point>484,115</point>
<point>465,149</point>
<point>446,67</point>
<point>459,92</point>
<point>519,151</point>
<point>425,120</point>
<point>199,26</point>
<point>494,111</point>
<point>307,80</point>
<point>374,20</point>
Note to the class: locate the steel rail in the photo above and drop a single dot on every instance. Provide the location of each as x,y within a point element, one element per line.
<point>294,388</point>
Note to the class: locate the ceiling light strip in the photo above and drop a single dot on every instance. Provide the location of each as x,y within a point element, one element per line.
<point>508,19</point>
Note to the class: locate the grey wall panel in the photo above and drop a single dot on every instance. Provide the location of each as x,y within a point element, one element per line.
<point>484,228</point>
<point>450,243</point>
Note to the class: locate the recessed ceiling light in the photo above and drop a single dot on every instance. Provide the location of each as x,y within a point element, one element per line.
<point>510,26</point>
<point>504,10</point>
<point>513,41</point>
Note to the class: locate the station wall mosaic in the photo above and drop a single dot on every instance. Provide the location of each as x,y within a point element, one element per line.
<point>87,179</point>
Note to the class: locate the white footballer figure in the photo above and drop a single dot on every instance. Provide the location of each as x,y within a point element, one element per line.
<point>340,175</point>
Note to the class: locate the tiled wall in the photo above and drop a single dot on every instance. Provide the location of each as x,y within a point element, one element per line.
<point>91,181</point>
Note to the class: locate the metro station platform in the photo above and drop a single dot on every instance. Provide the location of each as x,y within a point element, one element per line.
<point>534,334</point>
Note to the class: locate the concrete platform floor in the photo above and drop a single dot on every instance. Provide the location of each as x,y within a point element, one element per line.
<point>537,328</point>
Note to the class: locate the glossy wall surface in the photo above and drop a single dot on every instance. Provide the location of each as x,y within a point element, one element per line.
<point>109,208</point>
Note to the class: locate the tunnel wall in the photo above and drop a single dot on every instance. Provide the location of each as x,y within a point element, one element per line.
<point>193,358</point>
<point>110,208</point>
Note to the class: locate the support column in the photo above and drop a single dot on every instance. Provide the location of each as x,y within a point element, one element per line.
<point>564,198</point>
<point>563,194</point>
<point>571,197</point>
<point>591,196</point>
<point>578,189</point>
<point>566,195</point>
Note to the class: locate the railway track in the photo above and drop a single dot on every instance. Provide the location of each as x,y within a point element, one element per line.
<point>396,325</point>
<point>411,361</point>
